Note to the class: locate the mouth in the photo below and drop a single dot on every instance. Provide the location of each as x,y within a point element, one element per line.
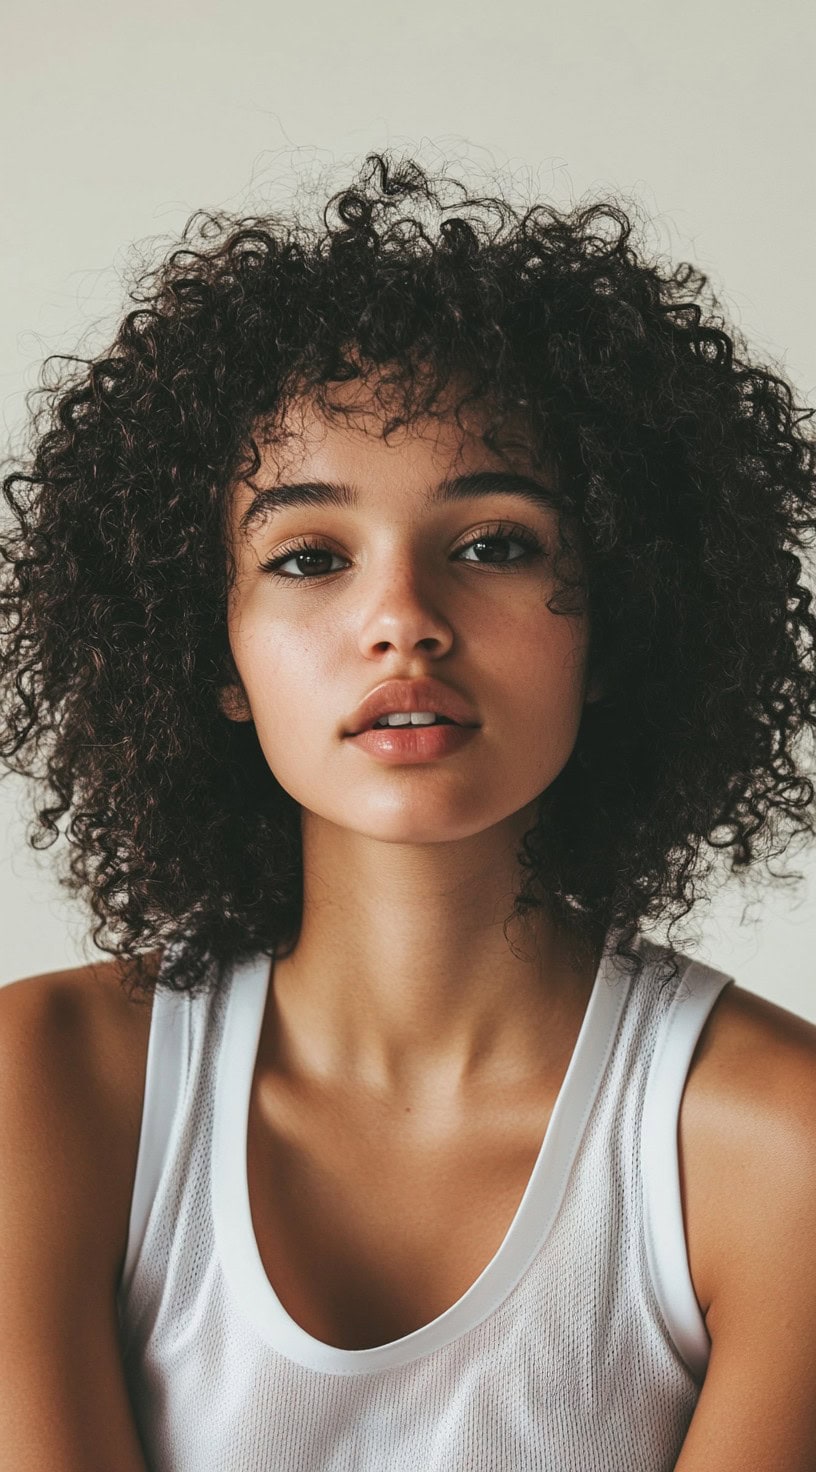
<point>408,726</point>
<point>408,745</point>
<point>409,699</point>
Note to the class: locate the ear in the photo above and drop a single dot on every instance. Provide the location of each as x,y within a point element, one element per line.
<point>233,703</point>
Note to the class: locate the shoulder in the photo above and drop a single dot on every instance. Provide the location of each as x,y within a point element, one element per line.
<point>81,996</point>
<point>81,1016</point>
<point>73,1053</point>
<point>747,1145</point>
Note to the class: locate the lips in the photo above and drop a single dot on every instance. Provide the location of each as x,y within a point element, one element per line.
<point>407,746</point>
<point>410,695</point>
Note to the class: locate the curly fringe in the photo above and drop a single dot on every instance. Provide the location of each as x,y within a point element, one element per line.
<point>687,469</point>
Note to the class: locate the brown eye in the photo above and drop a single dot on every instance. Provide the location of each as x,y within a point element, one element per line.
<point>530,545</point>
<point>290,554</point>
<point>486,537</point>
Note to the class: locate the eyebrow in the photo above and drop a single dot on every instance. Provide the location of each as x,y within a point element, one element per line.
<point>313,493</point>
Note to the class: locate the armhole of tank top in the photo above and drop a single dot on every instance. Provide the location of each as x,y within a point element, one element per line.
<point>168,1057</point>
<point>666,1249</point>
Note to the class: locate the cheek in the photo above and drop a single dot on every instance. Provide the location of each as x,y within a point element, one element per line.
<point>287,673</point>
<point>270,653</point>
<point>543,681</point>
<point>545,657</point>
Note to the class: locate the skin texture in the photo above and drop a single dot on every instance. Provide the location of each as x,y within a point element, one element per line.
<point>402,977</point>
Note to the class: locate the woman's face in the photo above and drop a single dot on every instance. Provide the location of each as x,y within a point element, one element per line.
<point>398,591</point>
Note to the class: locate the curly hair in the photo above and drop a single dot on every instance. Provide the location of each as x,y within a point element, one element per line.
<point>686,468</point>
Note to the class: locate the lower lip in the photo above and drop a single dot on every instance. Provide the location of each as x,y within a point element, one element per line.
<point>412,743</point>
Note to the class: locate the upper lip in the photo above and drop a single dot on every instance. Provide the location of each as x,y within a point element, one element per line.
<point>410,695</point>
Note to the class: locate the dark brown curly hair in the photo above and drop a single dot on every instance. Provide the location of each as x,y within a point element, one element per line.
<point>687,469</point>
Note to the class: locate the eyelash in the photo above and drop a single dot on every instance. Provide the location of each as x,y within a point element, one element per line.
<point>525,539</point>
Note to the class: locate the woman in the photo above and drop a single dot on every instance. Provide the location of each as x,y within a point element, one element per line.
<point>403,608</point>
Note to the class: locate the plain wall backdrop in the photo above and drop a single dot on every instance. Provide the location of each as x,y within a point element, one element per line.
<point>119,121</point>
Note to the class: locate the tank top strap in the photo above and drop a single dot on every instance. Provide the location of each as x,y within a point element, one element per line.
<point>166,1073</point>
<point>681,1025</point>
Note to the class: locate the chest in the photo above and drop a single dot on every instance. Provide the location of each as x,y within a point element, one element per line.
<point>371,1224</point>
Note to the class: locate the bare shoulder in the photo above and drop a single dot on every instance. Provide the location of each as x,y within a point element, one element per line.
<point>79,1050</point>
<point>83,1013</point>
<point>747,1139</point>
<point>70,1046</point>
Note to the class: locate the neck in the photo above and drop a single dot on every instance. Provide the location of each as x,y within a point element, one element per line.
<point>403,983</point>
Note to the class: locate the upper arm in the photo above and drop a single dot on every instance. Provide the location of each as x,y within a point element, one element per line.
<point>63,1398</point>
<point>757,1408</point>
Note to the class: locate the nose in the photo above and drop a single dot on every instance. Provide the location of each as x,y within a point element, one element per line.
<point>401,611</point>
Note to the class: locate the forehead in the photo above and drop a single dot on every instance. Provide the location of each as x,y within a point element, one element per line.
<point>355,445</point>
<point>346,465</point>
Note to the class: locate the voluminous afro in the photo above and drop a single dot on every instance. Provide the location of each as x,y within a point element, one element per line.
<point>688,471</point>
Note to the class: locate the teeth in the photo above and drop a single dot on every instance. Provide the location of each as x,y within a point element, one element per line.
<point>406,718</point>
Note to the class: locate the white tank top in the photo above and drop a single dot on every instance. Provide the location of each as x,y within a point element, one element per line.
<point>580,1347</point>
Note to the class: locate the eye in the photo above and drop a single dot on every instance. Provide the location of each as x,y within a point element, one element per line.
<point>530,545</point>
<point>293,553</point>
<point>484,537</point>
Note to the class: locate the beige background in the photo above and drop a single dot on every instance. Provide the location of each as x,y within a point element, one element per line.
<point>118,121</point>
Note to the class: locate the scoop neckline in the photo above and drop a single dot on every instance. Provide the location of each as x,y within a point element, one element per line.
<point>236,1245</point>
